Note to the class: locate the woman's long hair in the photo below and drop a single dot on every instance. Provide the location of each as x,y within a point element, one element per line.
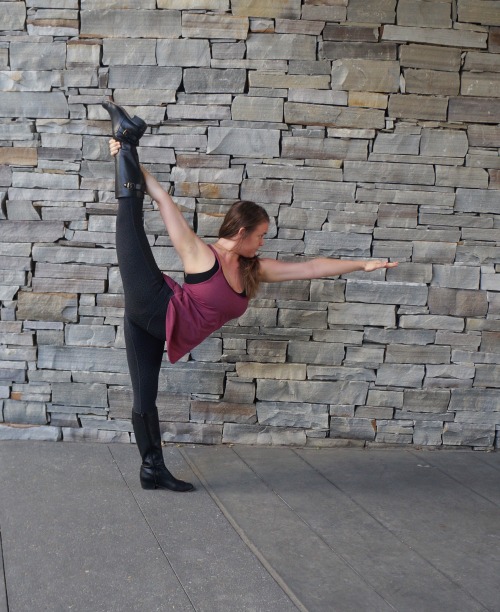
<point>247,215</point>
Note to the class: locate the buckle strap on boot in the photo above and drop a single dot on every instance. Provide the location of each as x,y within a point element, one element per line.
<point>134,186</point>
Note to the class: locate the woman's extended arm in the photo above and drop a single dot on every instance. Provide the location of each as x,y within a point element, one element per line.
<point>275,271</point>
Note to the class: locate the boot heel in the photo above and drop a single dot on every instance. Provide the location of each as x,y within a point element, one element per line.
<point>147,483</point>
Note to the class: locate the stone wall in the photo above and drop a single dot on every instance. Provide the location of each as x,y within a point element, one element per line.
<point>366,129</point>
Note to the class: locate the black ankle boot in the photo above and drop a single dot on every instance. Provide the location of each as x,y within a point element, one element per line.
<point>125,128</point>
<point>129,180</point>
<point>154,474</point>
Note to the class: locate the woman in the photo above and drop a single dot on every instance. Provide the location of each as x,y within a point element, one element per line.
<point>219,281</point>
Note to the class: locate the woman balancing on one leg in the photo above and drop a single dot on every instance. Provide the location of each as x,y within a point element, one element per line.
<point>219,281</point>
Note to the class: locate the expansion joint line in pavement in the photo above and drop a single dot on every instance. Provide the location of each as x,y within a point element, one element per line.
<point>3,577</point>
<point>264,562</point>
<point>316,533</point>
<point>152,530</point>
<point>443,471</point>
<point>394,534</point>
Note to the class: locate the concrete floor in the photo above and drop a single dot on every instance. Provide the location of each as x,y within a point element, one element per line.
<point>268,529</point>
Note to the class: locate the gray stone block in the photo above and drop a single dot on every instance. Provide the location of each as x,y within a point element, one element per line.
<point>428,433</point>
<point>308,319</point>
<point>47,306</point>
<point>288,371</point>
<point>243,141</point>
<point>266,191</point>
<point>212,80</point>
<point>386,292</point>
<point>36,105</point>
<point>464,434</point>
<point>223,412</point>
<point>45,433</point>
<point>392,399</point>
<point>336,244</point>
<point>403,353</point>
<point>481,401</point>
<point>431,322</point>
<point>280,414</point>
<point>417,174</point>
<point>213,26</point>
<point>487,376</point>
<point>145,77</point>
<point>183,53</point>
<point>13,15</point>
<point>297,147</point>
<point>365,75</point>
<point>120,51</point>
<point>263,434</point>
<point>34,413</point>
<point>90,434</point>
<point>281,46</point>
<point>352,428</point>
<point>434,252</point>
<point>435,36</point>
<point>431,82</point>
<point>432,401</point>
<point>253,108</point>
<point>316,392</point>
<point>80,394</point>
<point>425,56</point>
<point>361,314</point>
<point>319,114</point>
<point>414,106</point>
<point>326,353</point>
<point>37,55</point>
<point>457,302</point>
<point>396,375</point>
<point>484,110</point>
<point>285,9</point>
<point>443,143</point>
<point>116,23</point>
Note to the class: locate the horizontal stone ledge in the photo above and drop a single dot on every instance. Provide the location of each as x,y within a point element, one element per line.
<point>385,292</point>
<point>234,433</point>
<point>19,432</point>
<point>92,434</point>
<point>320,114</point>
<point>436,36</point>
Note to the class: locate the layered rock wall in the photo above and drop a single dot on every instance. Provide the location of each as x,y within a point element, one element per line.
<point>366,129</point>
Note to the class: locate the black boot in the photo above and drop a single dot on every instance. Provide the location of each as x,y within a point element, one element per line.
<point>154,474</point>
<point>125,128</point>
<point>129,180</point>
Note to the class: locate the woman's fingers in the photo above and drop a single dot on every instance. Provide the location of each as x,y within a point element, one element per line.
<point>114,146</point>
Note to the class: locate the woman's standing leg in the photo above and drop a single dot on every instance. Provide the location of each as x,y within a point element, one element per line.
<point>146,300</point>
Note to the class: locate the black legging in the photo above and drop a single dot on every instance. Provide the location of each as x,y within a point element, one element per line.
<point>146,300</point>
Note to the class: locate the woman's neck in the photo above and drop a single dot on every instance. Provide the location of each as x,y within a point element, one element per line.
<point>227,248</point>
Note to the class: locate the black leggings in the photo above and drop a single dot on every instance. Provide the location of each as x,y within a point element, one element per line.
<point>146,300</point>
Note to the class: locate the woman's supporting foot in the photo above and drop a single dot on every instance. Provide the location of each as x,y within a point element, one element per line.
<point>125,128</point>
<point>154,474</point>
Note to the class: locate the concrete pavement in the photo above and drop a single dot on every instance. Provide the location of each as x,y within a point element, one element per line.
<point>268,529</point>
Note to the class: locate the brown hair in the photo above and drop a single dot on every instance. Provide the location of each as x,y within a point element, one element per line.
<point>247,215</point>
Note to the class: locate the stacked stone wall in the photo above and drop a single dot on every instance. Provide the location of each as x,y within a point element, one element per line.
<point>366,129</point>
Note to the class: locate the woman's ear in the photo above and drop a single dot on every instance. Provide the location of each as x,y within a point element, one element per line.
<point>241,233</point>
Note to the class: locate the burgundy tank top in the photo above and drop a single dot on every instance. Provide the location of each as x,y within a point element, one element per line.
<point>197,310</point>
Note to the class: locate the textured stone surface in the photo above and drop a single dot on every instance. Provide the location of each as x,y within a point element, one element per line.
<point>365,129</point>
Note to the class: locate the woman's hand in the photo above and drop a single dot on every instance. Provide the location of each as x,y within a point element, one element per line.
<point>370,266</point>
<point>114,146</point>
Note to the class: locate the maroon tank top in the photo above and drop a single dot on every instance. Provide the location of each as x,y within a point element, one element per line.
<point>197,310</point>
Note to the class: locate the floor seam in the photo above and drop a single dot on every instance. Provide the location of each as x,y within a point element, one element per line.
<point>395,535</point>
<point>2,573</point>
<point>152,530</point>
<point>443,471</point>
<point>311,528</point>
<point>241,533</point>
